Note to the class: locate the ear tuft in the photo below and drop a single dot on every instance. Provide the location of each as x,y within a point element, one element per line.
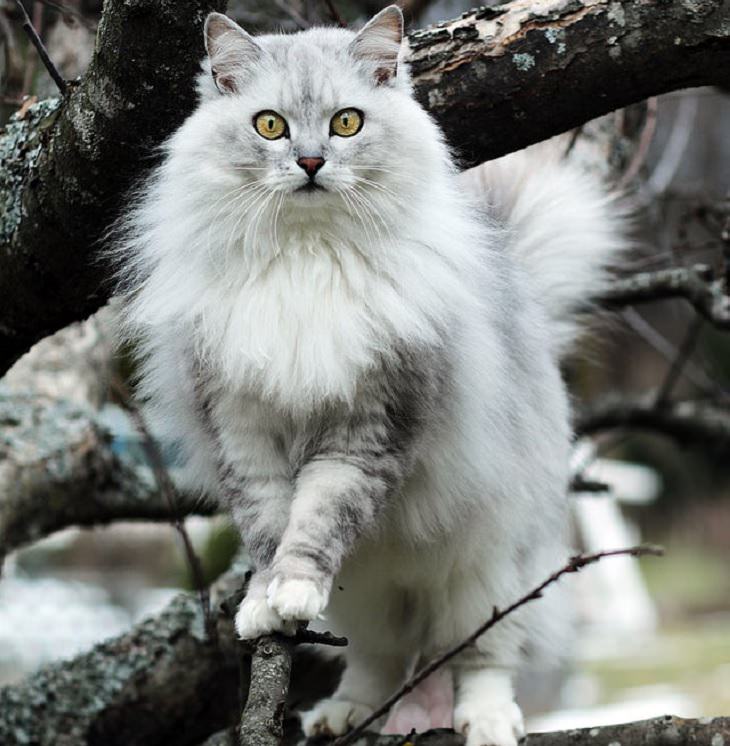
<point>230,49</point>
<point>379,43</point>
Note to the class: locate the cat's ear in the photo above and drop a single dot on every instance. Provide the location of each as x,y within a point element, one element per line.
<point>379,42</point>
<point>230,50</point>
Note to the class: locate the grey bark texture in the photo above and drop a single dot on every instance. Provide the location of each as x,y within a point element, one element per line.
<point>66,166</point>
<point>494,79</point>
<point>262,720</point>
<point>162,683</point>
<point>663,731</point>
<point>57,469</point>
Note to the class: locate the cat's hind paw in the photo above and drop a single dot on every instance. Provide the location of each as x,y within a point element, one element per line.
<point>255,618</point>
<point>296,599</point>
<point>498,725</point>
<point>333,717</point>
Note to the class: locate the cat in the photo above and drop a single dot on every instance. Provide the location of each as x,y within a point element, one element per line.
<point>361,362</point>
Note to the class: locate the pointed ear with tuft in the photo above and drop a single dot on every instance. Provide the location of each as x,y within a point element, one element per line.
<point>379,43</point>
<point>230,49</point>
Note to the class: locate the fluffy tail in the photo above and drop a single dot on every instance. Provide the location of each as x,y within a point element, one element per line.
<point>564,227</point>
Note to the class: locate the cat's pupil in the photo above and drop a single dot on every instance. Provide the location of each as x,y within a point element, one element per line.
<point>345,120</point>
<point>270,124</point>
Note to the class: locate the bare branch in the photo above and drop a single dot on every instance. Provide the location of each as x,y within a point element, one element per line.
<point>573,565</point>
<point>695,284</point>
<point>688,422</point>
<point>169,491</point>
<point>29,29</point>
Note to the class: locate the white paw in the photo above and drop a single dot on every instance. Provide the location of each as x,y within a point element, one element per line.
<point>255,618</point>
<point>333,717</point>
<point>296,599</point>
<point>495,725</point>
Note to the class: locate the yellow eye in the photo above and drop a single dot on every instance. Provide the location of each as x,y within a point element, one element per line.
<point>270,125</point>
<point>346,123</point>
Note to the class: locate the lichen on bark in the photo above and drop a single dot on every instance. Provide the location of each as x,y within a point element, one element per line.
<point>21,143</point>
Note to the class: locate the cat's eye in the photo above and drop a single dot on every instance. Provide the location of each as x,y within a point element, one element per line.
<point>270,125</point>
<point>346,123</point>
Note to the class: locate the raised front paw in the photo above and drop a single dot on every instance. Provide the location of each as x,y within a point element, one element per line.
<point>255,618</point>
<point>490,725</point>
<point>296,598</point>
<point>333,717</point>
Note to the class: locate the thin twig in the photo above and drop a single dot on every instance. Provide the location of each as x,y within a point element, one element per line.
<point>32,61</point>
<point>335,14</point>
<point>42,51</point>
<point>642,150</point>
<point>683,355</point>
<point>574,135</point>
<point>574,564</point>
<point>168,490</point>
<point>696,374</point>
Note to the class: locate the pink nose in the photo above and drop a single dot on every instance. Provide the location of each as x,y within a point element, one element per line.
<point>311,165</point>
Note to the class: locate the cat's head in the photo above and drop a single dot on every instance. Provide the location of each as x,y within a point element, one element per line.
<point>319,117</point>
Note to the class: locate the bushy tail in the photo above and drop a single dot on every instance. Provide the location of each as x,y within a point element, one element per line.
<point>564,227</point>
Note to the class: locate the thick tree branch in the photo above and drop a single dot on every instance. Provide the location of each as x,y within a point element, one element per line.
<point>57,469</point>
<point>162,682</point>
<point>495,80</point>
<point>501,78</point>
<point>66,166</point>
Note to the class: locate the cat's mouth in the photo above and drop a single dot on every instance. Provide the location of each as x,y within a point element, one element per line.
<point>311,186</point>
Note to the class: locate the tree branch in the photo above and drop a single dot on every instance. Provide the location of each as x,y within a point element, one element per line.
<point>162,682</point>
<point>66,167</point>
<point>688,422</point>
<point>661,731</point>
<point>59,470</point>
<point>504,69</point>
<point>695,284</point>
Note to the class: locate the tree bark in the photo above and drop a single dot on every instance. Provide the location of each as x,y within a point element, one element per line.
<point>495,80</point>
<point>58,469</point>
<point>164,682</point>
<point>161,683</point>
<point>66,166</point>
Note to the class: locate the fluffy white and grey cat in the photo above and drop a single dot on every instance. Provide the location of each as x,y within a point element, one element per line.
<point>360,365</point>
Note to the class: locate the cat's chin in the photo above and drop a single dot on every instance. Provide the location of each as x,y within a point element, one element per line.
<point>311,194</point>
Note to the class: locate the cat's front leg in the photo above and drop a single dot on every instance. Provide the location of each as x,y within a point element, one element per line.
<point>360,457</point>
<point>335,500</point>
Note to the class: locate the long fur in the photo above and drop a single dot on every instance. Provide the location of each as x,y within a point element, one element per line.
<point>367,377</point>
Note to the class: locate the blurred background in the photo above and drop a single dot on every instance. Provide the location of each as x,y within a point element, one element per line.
<point>654,635</point>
